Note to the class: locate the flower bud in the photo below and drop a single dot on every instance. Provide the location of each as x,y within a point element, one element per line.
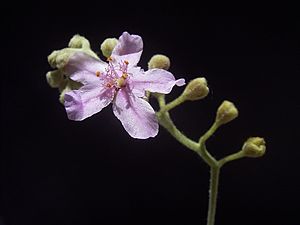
<point>59,58</point>
<point>62,59</point>
<point>78,41</point>
<point>254,147</point>
<point>159,61</point>
<point>67,85</point>
<point>54,78</point>
<point>226,112</point>
<point>108,46</point>
<point>196,89</point>
<point>52,58</point>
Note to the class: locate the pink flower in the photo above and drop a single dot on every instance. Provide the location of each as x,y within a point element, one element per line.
<point>121,82</point>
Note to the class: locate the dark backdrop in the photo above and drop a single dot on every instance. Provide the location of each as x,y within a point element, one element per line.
<point>56,171</point>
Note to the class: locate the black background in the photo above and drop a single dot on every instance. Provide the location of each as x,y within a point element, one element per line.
<point>56,171</point>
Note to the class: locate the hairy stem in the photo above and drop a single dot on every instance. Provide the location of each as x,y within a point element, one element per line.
<point>172,104</point>
<point>199,147</point>
<point>231,157</point>
<point>165,121</point>
<point>213,193</point>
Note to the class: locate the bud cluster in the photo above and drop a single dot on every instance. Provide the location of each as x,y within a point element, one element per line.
<point>59,58</point>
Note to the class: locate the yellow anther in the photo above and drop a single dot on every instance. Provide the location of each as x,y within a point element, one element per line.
<point>98,73</point>
<point>126,62</point>
<point>109,59</point>
<point>121,82</point>
<point>124,75</point>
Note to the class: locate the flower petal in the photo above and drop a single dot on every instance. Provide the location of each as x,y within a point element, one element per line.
<point>155,80</point>
<point>84,68</point>
<point>87,101</point>
<point>136,115</point>
<point>129,48</point>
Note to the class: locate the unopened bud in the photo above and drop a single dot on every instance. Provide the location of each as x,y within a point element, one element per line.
<point>159,61</point>
<point>78,41</point>
<point>196,89</point>
<point>59,58</point>
<point>62,59</point>
<point>68,85</point>
<point>54,78</point>
<point>226,112</point>
<point>254,147</point>
<point>52,58</point>
<point>108,46</point>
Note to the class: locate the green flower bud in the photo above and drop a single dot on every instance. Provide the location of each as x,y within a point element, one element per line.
<point>159,61</point>
<point>66,86</point>
<point>54,78</point>
<point>78,41</point>
<point>59,58</point>
<point>254,147</point>
<point>52,58</point>
<point>226,112</point>
<point>63,58</point>
<point>108,46</point>
<point>196,89</point>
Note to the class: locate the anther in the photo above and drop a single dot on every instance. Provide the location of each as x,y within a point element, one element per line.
<point>98,73</point>
<point>124,75</point>
<point>126,62</point>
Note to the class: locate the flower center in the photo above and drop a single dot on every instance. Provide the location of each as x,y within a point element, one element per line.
<point>115,75</point>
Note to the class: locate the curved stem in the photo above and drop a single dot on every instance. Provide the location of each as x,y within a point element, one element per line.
<point>172,104</point>
<point>209,133</point>
<point>165,120</point>
<point>202,149</point>
<point>213,193</point>
<point>231,157</point>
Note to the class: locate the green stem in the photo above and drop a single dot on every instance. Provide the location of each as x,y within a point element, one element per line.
<point>211,161</point>
<point>209,133</point>
<point>172,104</point>
<point>161,100</point>
<point>213,193</point>
<point>165,121</point>
<point>231,157</point>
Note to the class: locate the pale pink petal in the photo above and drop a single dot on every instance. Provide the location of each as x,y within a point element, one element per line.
<point>133,72</point>
<point>180,82</point>
<point>136,115</point>
<point>84,68</point>
<point>155,80</point>
<point>129,48</point>
<point>87,101</point>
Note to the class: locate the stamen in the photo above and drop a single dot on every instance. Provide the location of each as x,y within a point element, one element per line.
<point>115,75</point>
<point>98,73</point>
<point>124,75</point>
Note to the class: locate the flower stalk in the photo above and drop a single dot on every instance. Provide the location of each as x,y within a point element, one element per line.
<point>213,194</point>
<point>225,113</point>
